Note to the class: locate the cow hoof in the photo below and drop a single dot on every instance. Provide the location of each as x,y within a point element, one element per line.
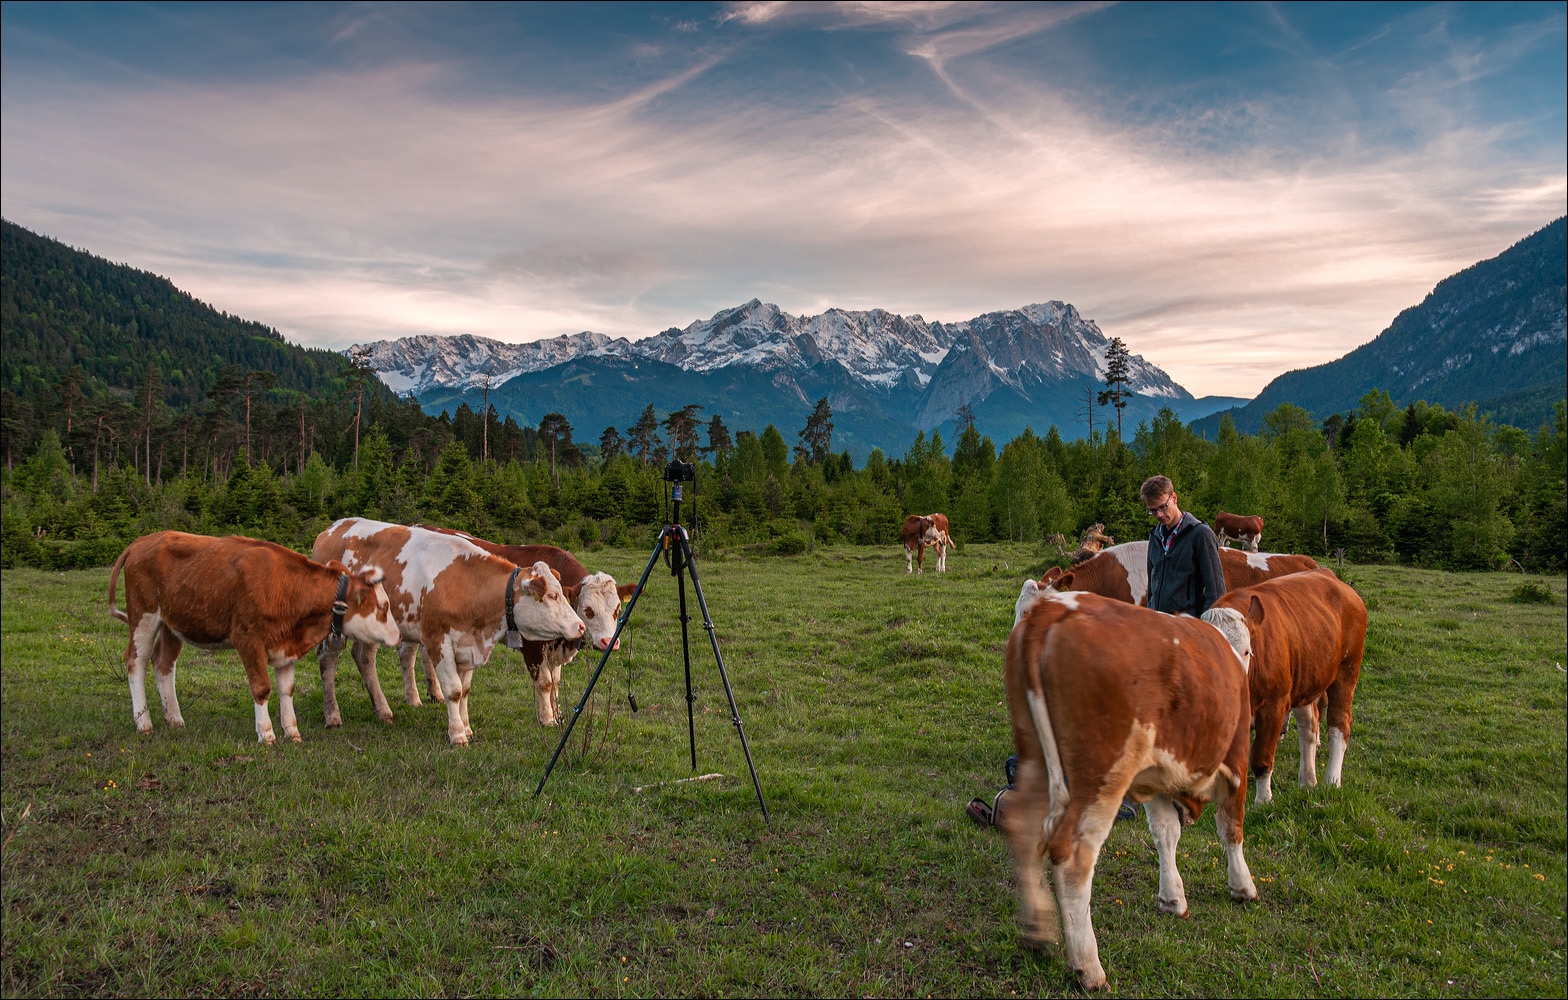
<point>385,719</point>
<point>144,729</point>
<point>266,739</point>
<point>334,722</point>
<point>293,735</point>
<point>1244,895</point>
<point>459,740</point>
<point>414,701</point>
<point>1094,980</point>
<point>176,723</point>
<point>1175,909</point>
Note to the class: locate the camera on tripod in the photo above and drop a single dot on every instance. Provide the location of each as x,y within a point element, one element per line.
<point>680,472</point>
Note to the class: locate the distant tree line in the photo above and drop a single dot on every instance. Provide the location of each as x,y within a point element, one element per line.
<point>88,473</point>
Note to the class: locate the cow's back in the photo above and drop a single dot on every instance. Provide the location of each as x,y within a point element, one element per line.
<point>1137,667</point>
<point>1248,569</point>
<point>1319,621</point>
<point>202,585</point>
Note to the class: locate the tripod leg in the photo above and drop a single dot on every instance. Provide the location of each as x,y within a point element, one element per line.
<point>691,699</point>
<point>658,546</point>
<point>707,623</point>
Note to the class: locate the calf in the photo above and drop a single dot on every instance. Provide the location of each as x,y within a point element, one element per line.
<point>269,604</point>
<point>1307,651</point>
<point>453,598</point>
<point>1238,528</point>
<point>921,531</point>
<point>595,597</point>
<point>1110,700</point>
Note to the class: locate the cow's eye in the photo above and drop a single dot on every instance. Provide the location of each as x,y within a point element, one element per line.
<point>588,612</point>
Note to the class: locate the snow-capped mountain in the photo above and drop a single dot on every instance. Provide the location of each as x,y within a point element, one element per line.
<point>942,365</point>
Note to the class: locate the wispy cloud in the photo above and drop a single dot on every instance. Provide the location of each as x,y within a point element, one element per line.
<point>352,204</point>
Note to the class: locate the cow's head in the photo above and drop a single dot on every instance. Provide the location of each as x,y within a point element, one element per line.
<point>369,615</point>
<point>598,603</point>
<point>540,607</point>
<point>1242,631</point>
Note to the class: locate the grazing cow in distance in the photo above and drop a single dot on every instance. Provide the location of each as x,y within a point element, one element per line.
<point>453,598</point>
<point>1109,700</point>
<point>1307,650</point>
<point>269,604</point>
<point>1238,528</point>
<point>1121,572</point>
<point>1094,539</point>
<point>596,598</point>
<point>921,531</point>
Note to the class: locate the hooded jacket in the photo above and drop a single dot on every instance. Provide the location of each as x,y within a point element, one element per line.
<point>1187,579</point>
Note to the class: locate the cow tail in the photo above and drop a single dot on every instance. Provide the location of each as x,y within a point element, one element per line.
<point>1056,780</point>
<point>114,579</point>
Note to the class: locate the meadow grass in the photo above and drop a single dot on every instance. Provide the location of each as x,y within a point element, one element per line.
<point>377,860</point>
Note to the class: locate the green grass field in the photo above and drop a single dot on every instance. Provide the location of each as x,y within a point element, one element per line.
<point>376,860</point>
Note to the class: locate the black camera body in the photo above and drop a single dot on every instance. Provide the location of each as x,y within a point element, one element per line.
<point>680,472</point>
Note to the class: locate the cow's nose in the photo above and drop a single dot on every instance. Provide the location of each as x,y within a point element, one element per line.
<point>617,644</point>
<point>581,628</point>
<point>603,643</point>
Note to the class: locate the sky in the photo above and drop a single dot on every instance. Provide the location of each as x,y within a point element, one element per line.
<point>1235,190</point>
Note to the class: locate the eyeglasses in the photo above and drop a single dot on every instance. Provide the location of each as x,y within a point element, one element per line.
<point>1157,511</point>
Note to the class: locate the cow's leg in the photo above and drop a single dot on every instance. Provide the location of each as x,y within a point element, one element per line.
<point>1269,720</point>
<point>1230,806</point>
<point>1338,715</point>
<point>909,559</point>
<point>1307,735</point>
<point>407,653</point>
<point>365,659</point>
<point>1074,881</point>
<point>327,657</point>
<point>253,655</point>
<point>443,664</point>
<point>465,675</point>
<point>164,652</point>
<point>137,652</point>
<point>284,675</point>
<point>1022,821</point>
<point>1165,827</point>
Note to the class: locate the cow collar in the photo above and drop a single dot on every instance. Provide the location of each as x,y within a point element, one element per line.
<point>514,638</point>
<point>339,609</point>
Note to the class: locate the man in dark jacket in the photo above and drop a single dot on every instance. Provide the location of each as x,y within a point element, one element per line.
<point>1185,576</point>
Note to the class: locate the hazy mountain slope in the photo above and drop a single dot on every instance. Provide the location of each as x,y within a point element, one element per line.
<point>1497,330</point>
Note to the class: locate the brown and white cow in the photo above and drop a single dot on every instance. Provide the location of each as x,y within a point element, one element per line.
<point>595,597</point>
<point>448,595</point>
<point>921,531</point>
<point>1307,651</point>
<point>1122,571</point>
<point>1238,528</point>
<point>269,604</point>
<point>1110,700</point>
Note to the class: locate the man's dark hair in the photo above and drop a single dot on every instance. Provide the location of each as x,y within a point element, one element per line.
<point>1155,487</point>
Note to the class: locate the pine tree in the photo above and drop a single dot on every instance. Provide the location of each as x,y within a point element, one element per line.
<point>682,428</point>
<point>555,434</point>
<point>643,436</point>
<point>816,438</point>
<point>719,443</point>
<point>1117,374</point>
<point>611,444</point>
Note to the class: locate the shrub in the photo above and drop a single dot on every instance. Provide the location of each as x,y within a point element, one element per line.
<point>791,544</point>
<point>1532,593</point>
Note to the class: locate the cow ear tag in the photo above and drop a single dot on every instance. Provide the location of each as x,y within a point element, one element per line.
<point>514,638</point>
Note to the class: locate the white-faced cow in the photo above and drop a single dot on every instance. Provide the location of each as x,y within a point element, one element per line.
<point>594,596</point>
<point>921,531</point>
<point>1121,572</point>
<point>452,597</point>
<point>269,604</point>
<point>1307,653</point>
<point>1110,700</point>
<point>1238,528</point>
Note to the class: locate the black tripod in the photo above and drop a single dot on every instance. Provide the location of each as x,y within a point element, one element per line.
<point>674,541</point>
